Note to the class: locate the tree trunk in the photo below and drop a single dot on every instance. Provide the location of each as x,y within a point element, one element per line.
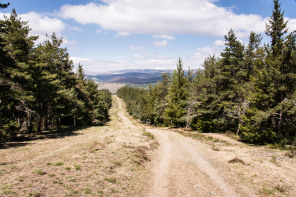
<point>29,123</point>
<point>39,117</point>
<point>188,117</point>
<point>46,119</point>
<point>58,123</point>
<point>239,120</point>
<point>280,125</point>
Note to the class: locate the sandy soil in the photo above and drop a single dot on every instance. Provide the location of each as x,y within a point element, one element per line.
<point>122,159</point>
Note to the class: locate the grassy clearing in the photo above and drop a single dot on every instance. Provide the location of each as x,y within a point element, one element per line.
<point>96,161</point>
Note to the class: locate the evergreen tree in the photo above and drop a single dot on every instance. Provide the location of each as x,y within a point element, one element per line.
<point>271,120</point>
<point>177,96</point>
<point>38,88</point>
<point>207,88</point>
<point>15,76</point>
<point>4,5</point>
<point>276,29</point>
<point>190,102</point>
<point>233,76</point>
<point>161,101</point>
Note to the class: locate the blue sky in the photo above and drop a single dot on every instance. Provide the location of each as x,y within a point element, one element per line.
<point>108,35</point>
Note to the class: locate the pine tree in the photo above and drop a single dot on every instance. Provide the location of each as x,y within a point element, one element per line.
<point>276,29</point>
<point>4,5</point>
<point>161,101</point>
<point>207,90</point>
<point>177,96</point>
<point>233,75</point>
<point>190,101</point>
<point>16,48</point>
<point>270,117</point>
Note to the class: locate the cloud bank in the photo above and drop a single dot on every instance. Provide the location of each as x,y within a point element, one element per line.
<point>198,17</point>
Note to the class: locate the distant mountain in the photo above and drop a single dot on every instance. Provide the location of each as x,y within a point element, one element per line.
<point>133,76</point>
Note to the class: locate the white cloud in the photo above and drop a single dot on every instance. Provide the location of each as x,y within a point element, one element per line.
<point>93,66</point>
<point>162,18</point>
<point>137,48</point>
<point>121,33</point>
<point>291,24</point>
<point>138,56</point>
<point>160,44</point>
<point>219,43</point>
<point>42,24</point>
<point>164,37</point>
<point>197,59</point>
<point>75,28</point>
<point>69,42</point>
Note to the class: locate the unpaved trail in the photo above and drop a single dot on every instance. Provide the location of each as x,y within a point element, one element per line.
<point>206,166</point>
<point>180,169</point>
<point>113,160</point>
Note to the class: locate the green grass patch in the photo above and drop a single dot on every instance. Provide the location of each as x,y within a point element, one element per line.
<point>77,167</point>
<point>150,135</point>
<point>35,194</point>
<point>87,191</point>
<point>118,163</point>
<point>39,172</point>
<point>111,180</point>
<point>68,168</point>
<point>59,164</point>
<point>20,179</point>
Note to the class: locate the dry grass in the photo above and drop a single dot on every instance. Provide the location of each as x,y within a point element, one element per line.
<point>265,171</point>
<point>98,161</point>
<point>236,160</point>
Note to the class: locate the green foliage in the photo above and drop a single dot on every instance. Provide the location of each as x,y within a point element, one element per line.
<point>178,93</point>
<point>39,172</point>
<point>274,88</point>
<point>250,90</point>
<point>150,135</point>
<point>38,88</point>
<point>4,5</point>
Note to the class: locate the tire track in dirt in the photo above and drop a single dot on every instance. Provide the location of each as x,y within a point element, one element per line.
<point>179,169</point>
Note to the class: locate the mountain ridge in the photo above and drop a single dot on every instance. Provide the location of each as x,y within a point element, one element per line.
<point>133,76</point>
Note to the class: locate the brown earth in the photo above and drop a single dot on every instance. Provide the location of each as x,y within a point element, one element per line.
<point>193,164</point>
<point>112,87</point>
<point>120,159</point>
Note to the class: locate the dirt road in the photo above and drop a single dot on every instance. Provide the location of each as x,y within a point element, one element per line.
<point>207,166</point>
<point>121,159</point>
<point>182,169</point>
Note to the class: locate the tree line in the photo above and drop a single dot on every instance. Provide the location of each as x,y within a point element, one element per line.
<point>38,87</point>
<point>249,90</point>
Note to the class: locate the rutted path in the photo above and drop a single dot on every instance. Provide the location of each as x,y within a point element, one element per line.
<point>112,161</point>
<point>216,165</point>
<point>180,169</point>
